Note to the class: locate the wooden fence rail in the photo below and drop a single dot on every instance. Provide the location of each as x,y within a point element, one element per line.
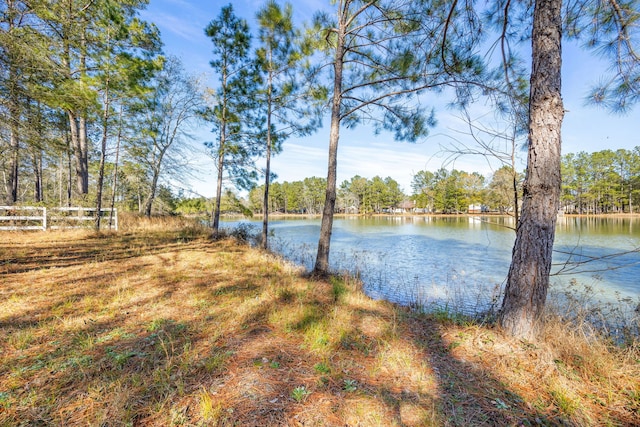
<point>40,218</point>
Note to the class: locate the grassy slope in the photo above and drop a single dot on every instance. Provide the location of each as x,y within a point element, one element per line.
<point>160,326</point>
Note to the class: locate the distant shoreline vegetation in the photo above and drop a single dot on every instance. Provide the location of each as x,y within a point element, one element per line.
<point>602,183</point>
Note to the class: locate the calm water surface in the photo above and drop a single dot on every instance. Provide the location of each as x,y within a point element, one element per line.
<point>463,261</point>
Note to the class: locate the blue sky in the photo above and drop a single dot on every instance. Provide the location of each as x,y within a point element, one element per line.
<point>585,128</point>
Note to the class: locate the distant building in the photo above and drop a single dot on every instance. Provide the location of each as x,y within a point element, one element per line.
<point>475,209</point>
<point>406,206</point>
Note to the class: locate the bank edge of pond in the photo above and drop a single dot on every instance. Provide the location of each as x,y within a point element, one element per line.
<point>615,317</point>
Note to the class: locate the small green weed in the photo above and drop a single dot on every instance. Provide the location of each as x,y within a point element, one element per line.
<point>447,315</point>
<point>566,403</point>
<point>209,411</point>
<point>5,400</point>
<point>285,295</point>
<point>21,340</point>
<point>77,362</point>
<point>216,361</point>
<point>350,385</point>
<point>120,359</point>
<point>300,393</point>
<point>322,368</point>
<point>118,333</point>
<point>84,340</point>
<point>500,404</point>
<point>157,324</point>
<point>338,288</point>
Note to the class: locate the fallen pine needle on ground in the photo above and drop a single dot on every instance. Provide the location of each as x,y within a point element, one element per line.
<point>158,325</point>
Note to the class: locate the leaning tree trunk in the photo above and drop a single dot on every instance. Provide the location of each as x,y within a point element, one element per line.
<point>148,205</point>
<point>528,278</point>
<point>322,259</point>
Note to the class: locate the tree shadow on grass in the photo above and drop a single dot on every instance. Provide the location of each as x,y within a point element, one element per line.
<point>187,340</point>
<point>469,395</point>
<point>18,258</point>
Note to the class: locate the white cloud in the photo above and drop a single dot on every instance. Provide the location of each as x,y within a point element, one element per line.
<point>299,161</point>
<point>180,27</point>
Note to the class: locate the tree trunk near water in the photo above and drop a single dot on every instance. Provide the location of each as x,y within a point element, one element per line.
<point>321,267</point>
<point>267,179</point>
<point>528,279</point>
<point>215,220</point>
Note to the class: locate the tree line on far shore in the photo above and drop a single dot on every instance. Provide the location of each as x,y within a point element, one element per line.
<point>592,183</point>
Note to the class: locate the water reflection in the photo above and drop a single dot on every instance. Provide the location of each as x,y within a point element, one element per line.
<point>463,261</point>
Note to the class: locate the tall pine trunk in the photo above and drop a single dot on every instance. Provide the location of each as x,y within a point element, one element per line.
<point>83,178</point>
<point>14,110</point>
<point>528,279</point>
<point>14,162</point>
<point>215,215</point>
<point>78,133</point>
<point>78,127</point>
<point>69,175</point>
<point>14,140</point>
<point>103,156</point>
<point>114,185</point>
<point>322,259</point>
<point>267,179</point>
<point>36,161</point>
<point>216,207</point>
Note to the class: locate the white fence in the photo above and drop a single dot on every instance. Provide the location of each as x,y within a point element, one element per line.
<point>39,218</point>
<point>23,218</point>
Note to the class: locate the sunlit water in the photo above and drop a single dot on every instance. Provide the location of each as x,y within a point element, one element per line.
<point>462,262</point>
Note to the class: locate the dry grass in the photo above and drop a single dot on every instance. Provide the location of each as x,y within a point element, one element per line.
<point>157,325</point>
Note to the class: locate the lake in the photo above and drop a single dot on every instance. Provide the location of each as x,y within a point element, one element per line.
<point>462,262</point>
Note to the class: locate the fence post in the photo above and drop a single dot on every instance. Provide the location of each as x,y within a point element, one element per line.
<point>44,219</point>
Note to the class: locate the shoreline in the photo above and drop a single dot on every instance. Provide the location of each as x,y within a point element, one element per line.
<point>429,215</point>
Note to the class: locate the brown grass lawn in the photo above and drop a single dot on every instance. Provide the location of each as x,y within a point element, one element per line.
<point>159,326</point>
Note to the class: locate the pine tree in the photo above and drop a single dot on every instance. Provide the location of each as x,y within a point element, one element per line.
<point>124,64</point>
<point>230,115</point>
<point>291,106</point>
<point>610,26</point>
